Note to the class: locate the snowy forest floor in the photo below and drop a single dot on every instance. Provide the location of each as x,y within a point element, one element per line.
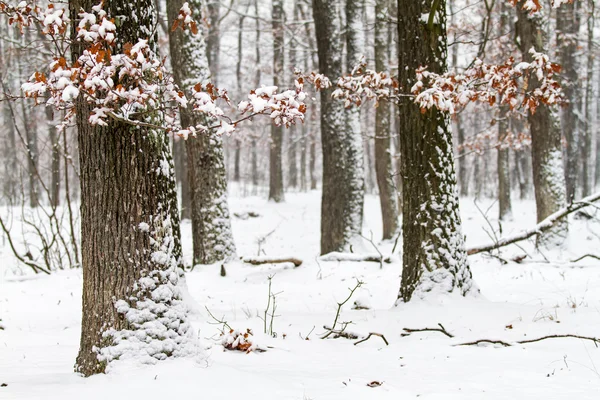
<point>41,315</point>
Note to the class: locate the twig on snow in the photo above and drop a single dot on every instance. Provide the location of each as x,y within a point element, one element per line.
<point>441,329</point>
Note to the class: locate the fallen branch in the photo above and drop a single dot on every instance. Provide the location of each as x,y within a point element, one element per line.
<point>586,256</point>
<point>441,329</point>
<point>353,257</point>
<point>272,260</point>
<point>507,344</point>
<point>373,334</point>
<point>541,227</point>
<point>340,333</point>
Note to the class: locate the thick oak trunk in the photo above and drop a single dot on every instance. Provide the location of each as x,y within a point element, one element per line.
<point>434,256</point>
<point>343,176</point>
<point>129,216</point>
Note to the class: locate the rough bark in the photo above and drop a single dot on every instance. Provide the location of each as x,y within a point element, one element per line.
<point>587,169</point>
<point>567,28</point>
<point>343,176</point>
<point>503,167</point>
<point>211,225</point>
<point>434,256</point>
<point>276,145</point>
<point>546,149</point>
<point>213,39</point>
<point>383,156</point>
<point>123,184</point>
<point>54,159</point>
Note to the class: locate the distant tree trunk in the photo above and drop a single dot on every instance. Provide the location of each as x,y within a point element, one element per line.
<point>383,157</point>
<point>238,75</point>
<point>213,38</point>
<point>343,176</point>
<point>30,127</point>
<point>504,203</point>
<point>567,28</point>
<point>253,146</point>
<point>275,162</point>
<point>587,169</point>
<point>181,174</point>
<point>128,213</point>
<point>546,149</point>
<point>211,225</point>
<point>293,132</point>
<point>434,256</point>
<point>55,159</point>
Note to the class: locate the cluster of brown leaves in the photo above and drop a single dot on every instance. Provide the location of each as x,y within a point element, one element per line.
<point>239,341</point>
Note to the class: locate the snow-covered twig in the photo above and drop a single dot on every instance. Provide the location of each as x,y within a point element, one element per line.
<point>508,344</point>
<point>353,257</point>
<point>441,329</point>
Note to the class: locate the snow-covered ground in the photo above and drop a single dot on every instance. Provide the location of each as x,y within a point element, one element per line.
<point>41,316</point>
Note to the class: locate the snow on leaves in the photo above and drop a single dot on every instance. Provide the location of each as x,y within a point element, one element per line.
<point>506,83</point>
<point>133,86</point>
<point>534,6</point>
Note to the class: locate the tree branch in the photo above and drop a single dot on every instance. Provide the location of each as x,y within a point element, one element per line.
<point>541,227</point>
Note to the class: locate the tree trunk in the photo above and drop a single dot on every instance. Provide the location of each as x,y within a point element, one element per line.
<point>213,38</point>
<point>343,176</point>
<point>383,156</point>
<point>567,27</point>
<point>211,225</point>
<point>129,219</point>
<point>275,165</point>
<point>546,149</point>
<point>434,256</point>
<point>504,203</point>
<point>55,159</point>
<point>181,174</point>
<point>587,169</point>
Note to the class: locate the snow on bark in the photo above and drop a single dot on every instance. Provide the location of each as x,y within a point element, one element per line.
<point>211,225</point>
<point>434,256</point>
<point>343,177</point>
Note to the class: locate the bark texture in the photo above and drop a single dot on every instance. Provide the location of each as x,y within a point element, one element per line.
<point>343,176</point>
<point>434,256</point>
<point>383,141</point>
<point>567,27</point>
<point>546,149</point>
<point>503,167</point>
<point>276,145</point>
<point>211,224</point>
<point>128,206</point>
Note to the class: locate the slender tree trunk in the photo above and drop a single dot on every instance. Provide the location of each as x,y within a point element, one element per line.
<point>343,176</point>
<point>213,38</point>
<point>257,78</point>
<point>129,219</point>
<point>55,159</point>
<point>567,27</point>
<point>181,174</point>
<point>434,256</point>
<point>275,163</point>
<point>383,157</point>
<point>587,169</point>
<point>211,225</point>
<point>546,149</point>
<point>504,203</point>
<point>33,157</point>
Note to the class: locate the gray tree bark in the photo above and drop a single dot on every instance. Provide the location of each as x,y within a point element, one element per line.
<point>211,224</point>
<point>383,141</point>
<point>276,146</point>
<point>434,256</point>
<point>546,149</point>
<point>343,176</point>
<point>123,185</point>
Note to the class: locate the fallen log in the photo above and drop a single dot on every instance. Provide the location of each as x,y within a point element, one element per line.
<point>272,260</point>
<point>541,227</point>
<point>354,257</point>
